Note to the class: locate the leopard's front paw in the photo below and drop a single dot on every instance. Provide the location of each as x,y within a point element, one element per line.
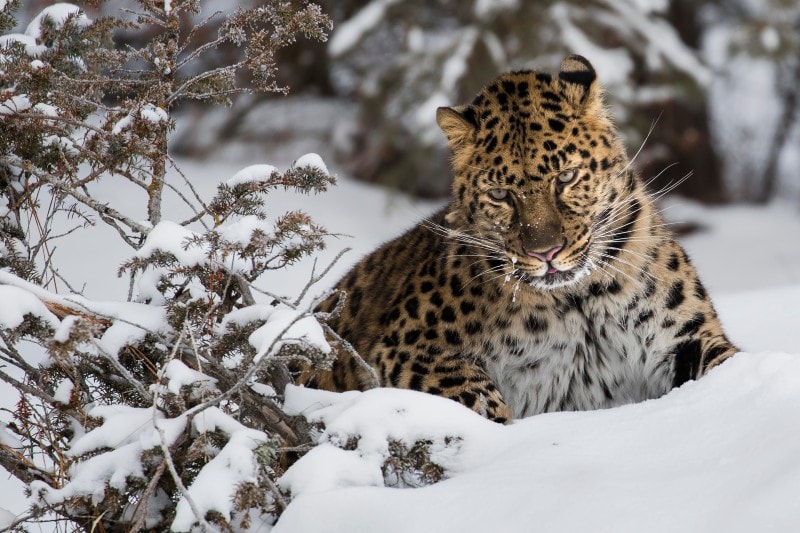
<point>486,401</point>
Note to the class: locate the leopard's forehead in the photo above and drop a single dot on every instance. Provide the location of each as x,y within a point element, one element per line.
<point>525,99</point>
<point>529,126</point>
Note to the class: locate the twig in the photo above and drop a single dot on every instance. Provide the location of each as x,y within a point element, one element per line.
<point>179,483</point>
<point>366,367</point>
<point>163,440</point>
<point>151,487</point>
<point>314,279</point>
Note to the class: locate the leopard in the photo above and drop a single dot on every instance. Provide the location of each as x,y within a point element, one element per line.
<point>549,282</point>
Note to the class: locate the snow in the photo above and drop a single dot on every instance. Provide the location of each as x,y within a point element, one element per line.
<point>16,104</point>
<point>180,375</point>
<point>63,391</point>
<point>714,455</point>
<point>120,432</point>
<point>46,109</point>
<point>17,303</point>
<point>253,173</point>
<point>285,325</point>
<point>241,231</point>
<point>57,14</point>
<point>122,124</point>
<point>32,48</point>
<point>131,324</point>
<point>214,487</point>
<point>153,114</point>
<point>311,160</point>
<point>7,439</point>
<point>172,238</point>
<point>6,518</point>
<point>741,247</point>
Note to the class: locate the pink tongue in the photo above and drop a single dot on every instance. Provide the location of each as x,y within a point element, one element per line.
<point>552,270</point>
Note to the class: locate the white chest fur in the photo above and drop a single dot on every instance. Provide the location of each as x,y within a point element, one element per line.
<point>589,357</point>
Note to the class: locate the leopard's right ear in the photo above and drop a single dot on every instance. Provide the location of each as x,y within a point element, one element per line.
<point>459,125</point>
<point>580,83</point>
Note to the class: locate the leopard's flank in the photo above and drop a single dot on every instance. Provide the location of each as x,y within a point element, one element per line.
<point>549,283</point>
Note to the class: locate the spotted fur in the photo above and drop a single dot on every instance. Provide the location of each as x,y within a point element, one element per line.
<point>549,282</point>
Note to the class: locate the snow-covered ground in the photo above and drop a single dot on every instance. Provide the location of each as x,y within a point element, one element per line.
<point>716,455</point>
<point>719,454</point>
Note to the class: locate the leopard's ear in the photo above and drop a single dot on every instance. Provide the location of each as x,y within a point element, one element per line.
<point>459,125</point>
<point>580,81</point>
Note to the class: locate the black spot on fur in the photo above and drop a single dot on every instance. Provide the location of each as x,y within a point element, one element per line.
<point>452,337</point>
<point>468,398</point>
<point>470,116</point>
<point>649,289</point>
<point>699,290</point>
<point>674,262</point>
<point>431,319</point>
<point>596,288</point>
<point>691,326</point>
<point>675,296</point>
<point>534,324</point>
<point>394,377</point>
<point>687,360</point>
<point>581,77</point>
<point>411,336</point>
<point>491,144</point>
<point>712,354</point>
<point>452,381</point>
<point>448,314</point>
<point>412,307</point>
<point>549,95</point>
<point>555,125</point>
<point>643,317</point>
<point>456,287</point>
<point>473,327</point>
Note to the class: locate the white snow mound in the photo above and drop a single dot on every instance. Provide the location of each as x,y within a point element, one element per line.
<point>717,454</point>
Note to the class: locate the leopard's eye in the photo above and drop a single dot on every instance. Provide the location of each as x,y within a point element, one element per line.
<point>498,194</point>
<point>567,176</point>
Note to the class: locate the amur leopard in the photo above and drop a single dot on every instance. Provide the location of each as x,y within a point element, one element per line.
<point>549,282</point>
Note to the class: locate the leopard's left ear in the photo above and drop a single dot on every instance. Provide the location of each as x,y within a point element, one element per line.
<point>580,80</point>
<point>459,125</point>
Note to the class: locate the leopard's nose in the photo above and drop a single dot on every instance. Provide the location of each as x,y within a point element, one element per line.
<point>546,255</point>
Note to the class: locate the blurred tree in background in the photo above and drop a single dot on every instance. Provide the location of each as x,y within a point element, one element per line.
<point>680,67</point>
<point>715,80</point>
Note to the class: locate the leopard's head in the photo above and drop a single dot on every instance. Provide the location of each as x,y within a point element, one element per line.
<point>540,173</point>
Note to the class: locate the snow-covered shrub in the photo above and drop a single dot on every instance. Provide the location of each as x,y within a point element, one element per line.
<point>162,411</point>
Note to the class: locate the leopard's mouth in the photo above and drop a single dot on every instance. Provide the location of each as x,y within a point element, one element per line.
<point>551,279</point>
<point>547,275</point>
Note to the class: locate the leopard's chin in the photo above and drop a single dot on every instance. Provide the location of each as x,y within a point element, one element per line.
<point>552,280</point>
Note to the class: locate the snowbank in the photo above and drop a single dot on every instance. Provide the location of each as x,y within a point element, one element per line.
<point>719,454</point>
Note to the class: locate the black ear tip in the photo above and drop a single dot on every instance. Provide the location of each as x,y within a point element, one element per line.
<point>577,69</point>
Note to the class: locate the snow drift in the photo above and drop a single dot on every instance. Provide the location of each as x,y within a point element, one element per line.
<point>718,454</point>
